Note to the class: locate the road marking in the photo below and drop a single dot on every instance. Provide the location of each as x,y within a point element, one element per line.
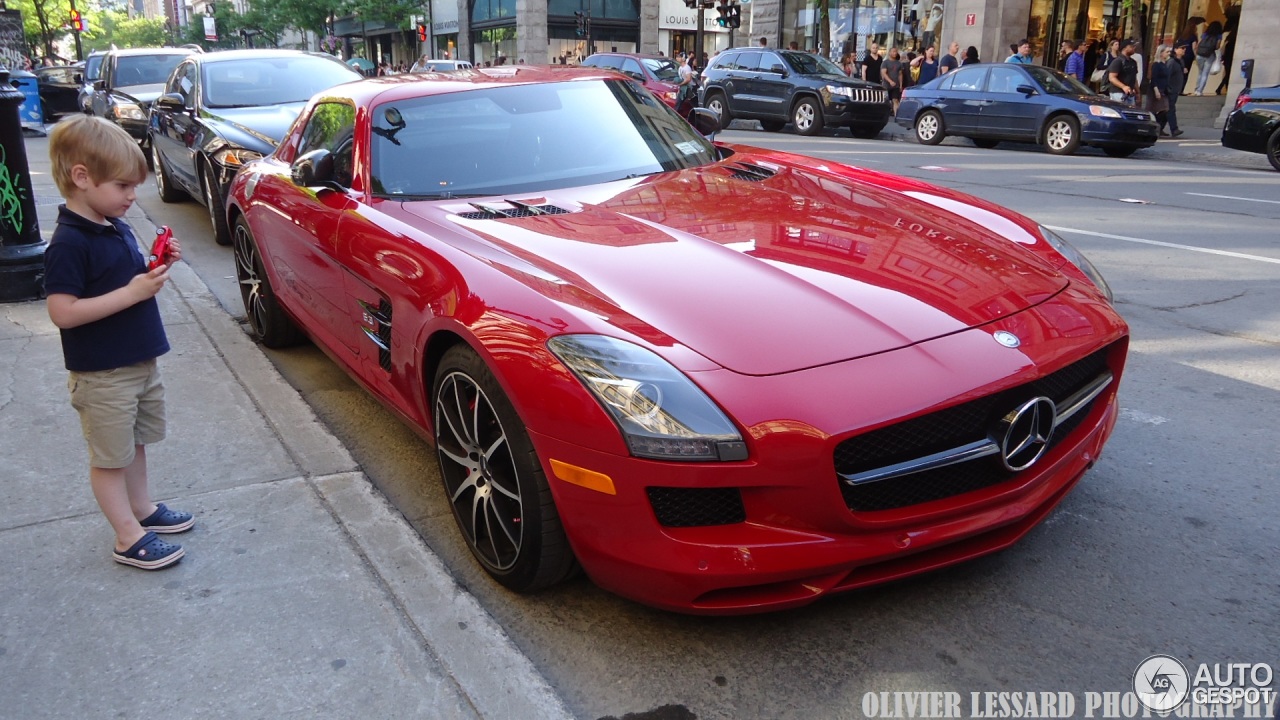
<point>1176,246</point>
<point>1233,197</point>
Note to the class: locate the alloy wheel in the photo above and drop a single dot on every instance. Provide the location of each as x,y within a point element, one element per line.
<point>249,279</point>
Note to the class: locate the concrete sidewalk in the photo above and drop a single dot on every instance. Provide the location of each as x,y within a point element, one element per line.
<point>303,592</point>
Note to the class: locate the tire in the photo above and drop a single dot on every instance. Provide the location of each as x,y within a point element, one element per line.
<point>1273,149</point>
<point>985,143</point>
<point>867,132</point>
<point>217,209</point>
<point>1062,135</point>
<point>268,322</point>
<point>493,478</point>
<point>807,117</point>
<point>168,193</point>
<point>1119,152</point>
<point>718,103</point>
<point>929,128</point>
<point>773,125</point>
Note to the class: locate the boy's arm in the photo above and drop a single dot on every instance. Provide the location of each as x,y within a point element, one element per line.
<point>68,311</point>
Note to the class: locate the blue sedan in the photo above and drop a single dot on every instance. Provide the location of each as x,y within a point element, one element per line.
<point>1024,103</point>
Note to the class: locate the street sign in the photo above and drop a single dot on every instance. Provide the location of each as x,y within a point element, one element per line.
<point>971,19</point>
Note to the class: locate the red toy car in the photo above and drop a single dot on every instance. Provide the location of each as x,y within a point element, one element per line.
<point>722,379</point>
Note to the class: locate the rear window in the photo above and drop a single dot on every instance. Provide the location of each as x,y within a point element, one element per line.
<point>145,69</point>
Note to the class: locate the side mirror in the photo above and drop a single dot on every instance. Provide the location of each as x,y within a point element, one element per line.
<point>99,84</point>
<point>1027,90</point>
<point>705,121</point>
<point>172,102</point>
<point>77,79</point>
<point>778,70</point>
<point>314,170</point>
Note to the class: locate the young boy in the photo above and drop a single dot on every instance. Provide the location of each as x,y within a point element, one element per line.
<point>102,298</point>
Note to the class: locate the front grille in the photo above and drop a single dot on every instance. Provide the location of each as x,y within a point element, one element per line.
<point>1134,115</point>
<point>695,507</point>
<point>868,95</point>
<point>951,428</point>
<point>513,211</point>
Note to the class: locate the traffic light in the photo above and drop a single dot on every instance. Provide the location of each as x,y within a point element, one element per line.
<point>422,32</point>
<point>582,23</point>
<point>723,20</point>
<point>735,16</point>
<point>691,3</point>
<point>77,22</point>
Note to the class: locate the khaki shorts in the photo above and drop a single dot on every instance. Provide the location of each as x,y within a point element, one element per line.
<point>119,409</point>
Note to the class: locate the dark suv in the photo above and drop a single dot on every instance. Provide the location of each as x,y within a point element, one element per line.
<point>781,86</point>
<point>129,81</point>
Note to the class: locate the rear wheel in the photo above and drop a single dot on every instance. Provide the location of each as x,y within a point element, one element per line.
<point>773,125</point>
<point>929,129</point>
<point>1062,135</point>
<point>217,210</point>
<point>268,322</point>
<point>987,143</point>
<point>1273,149</point>
<point>807,117</point>
<point>1119,152</point>
<point>718,104</point>
<point>493,479</point>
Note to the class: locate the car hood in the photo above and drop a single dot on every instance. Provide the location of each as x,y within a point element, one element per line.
<point>143,94</point>
<point>802,269</point>
<point>256,128</point>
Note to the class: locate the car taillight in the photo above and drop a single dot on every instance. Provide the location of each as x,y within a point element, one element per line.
<point>1241,100</point>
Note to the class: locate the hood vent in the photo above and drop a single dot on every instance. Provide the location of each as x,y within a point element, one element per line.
<point>512,209</point>
<point>751,172</point>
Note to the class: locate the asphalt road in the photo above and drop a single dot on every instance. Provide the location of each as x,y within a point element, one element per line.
<point>1169,545</point>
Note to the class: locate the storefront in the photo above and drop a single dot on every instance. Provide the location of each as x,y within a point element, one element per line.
<point>444,30</point>
<point>678,30</point>
<point>910,25</point>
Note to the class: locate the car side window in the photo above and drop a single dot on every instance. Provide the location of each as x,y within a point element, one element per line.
<point>331,127</point>
<point>725,61</point>
<point>967,78</point>
<point>749,61</point>
<point>632,68</point>
<point>183,82</point>
<point>1005,80</point>
<point>769,60</point>
<point>607,61</point>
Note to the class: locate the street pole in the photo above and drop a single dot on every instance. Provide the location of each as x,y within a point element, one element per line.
<point>21,247</point>
<point>698,40</point>
<point>76,31</point>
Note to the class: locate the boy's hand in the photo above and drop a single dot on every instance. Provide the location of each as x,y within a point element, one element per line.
<point>147,284</point>
<point>175,251</point>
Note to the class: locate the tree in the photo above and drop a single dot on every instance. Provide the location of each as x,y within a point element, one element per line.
<point>43,22</point>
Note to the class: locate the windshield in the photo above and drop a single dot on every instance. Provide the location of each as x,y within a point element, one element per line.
<point>145,69</point>
<point>524,138</point>
<point>92,67</point>
<point>270,80</point>
<point>809,64</point>
<point>1056,83</point>
<point>662,69</point>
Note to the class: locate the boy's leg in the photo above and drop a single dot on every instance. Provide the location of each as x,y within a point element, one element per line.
<point>112,494</point>
<point>135,483</point>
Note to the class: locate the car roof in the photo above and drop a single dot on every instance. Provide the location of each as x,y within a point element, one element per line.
<point>397,87</point>
<point>642,56</point>
<point>254,54</point>
<point>130,52</point>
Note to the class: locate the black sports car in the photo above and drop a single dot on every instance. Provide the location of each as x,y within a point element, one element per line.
<point>221,110</point>
<point>1254,126</point>
<point>1025,103</point>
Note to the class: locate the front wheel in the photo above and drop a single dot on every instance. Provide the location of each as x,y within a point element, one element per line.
<point>268,322</point>
<point>719,104</point>
<point>1273,149</point>
<point>493,479</point>
<point>1062,135</point>
<point>217,209</point>
<point>929,128</point>
<point>164,186</point>
<point>807,117</point>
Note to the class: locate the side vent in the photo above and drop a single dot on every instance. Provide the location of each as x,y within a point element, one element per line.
<point>377,328</point>
<point>511,209</point>
<point>751,172</point>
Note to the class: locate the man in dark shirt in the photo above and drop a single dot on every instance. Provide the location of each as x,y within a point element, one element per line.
<point>949,61</point>
<point>1122,75</point>
<point>871,65</point>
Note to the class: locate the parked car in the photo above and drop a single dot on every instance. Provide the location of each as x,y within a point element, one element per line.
<point>129,81</point>
<point>59,86</point>
<point>721,379</point>
<point>990,103</point>
<point>660,75</point>
<point>781,86</point>
<point>1254,124</point>
<point>92,71</point>
<point>221,110</point>
<point>442,66</point>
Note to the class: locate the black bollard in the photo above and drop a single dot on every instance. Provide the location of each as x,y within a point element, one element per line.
<point>21,247</point>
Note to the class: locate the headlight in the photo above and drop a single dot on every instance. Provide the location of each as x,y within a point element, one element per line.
<point>236,157</point>
<point>1104,111</point>
<point>840,90</point>
<point>1078,259</point>
<point>660,412</point>
<point>129,111</point>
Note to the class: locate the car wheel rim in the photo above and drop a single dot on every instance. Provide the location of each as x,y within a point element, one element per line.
<point>928,127</point>
<point>714,106</point>
<point>208,200</point>
<point>159,167</point>
<point>1058,135</point>
<point>251,290</point>
<point>479,471</point>
<point>804,117</point>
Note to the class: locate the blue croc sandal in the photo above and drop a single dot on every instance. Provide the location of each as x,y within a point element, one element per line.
<point>150,553</point>
<point>165,521</point>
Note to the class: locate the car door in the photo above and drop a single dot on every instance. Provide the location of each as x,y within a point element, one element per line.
<point>1010,113</point>
<point>173,130</point>
<point>771,86</point>
<point>98,104</point>
<point>962,100</point>
<point>735,71</point>
<point>300,241</point>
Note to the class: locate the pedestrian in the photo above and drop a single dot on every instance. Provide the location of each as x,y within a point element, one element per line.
<point>1105,59</point>
<point>686,91</point>
<point>102,298</point>
<point>1188,38</point>
<point>1176,81</point>
<point>1229,31</point>
<point>1158,99</point>
<point>1075,59</point>
<point>422,64</point>
<point>950,61</point>
<point>871,65</point>
<point>1122,75</point>
<point>1022,55</point>
<point>1206,53</point>
<point>848,65</point>
<point>927,64</point>
<point>892,71</point>
<point>970,56</point>
<point>764,42</point>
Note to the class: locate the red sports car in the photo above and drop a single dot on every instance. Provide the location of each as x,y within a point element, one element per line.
<point>720,379</point>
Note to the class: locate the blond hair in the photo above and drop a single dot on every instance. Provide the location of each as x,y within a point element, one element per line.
<point>103,148</point>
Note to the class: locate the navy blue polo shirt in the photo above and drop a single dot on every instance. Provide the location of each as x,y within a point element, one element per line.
<point>86,260</point>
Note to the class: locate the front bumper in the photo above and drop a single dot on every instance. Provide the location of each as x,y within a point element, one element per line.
<point>839,110</point>
<point>1103,132</point>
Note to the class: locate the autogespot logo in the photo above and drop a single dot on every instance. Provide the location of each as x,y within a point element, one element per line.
<point>1161,683</point>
